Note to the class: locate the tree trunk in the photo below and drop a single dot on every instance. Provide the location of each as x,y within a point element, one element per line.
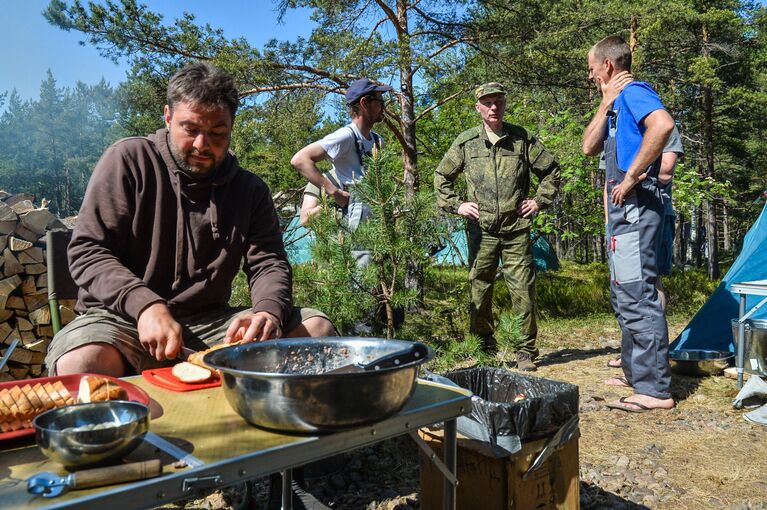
<point>633,39</point>
<point>598,247</point>
<point>414,277</point>
<point>407,115</point>
<point>695,237</point>
<point>586,251</point>
<point>726,237</point>
<point>712,236</point>
<point>680,244</point>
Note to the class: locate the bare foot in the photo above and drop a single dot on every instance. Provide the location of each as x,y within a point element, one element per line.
<point>637,403</point>
<point>615,363</point>
<point>618,381</point>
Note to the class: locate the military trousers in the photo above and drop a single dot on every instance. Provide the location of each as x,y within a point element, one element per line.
<point>515,253</point>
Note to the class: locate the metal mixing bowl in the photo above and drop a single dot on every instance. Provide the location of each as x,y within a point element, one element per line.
<point>700,363</point>
<point>279,384</point>
<point>91,434</point>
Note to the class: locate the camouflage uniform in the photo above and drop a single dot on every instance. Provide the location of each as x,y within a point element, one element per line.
<point>498,179</point>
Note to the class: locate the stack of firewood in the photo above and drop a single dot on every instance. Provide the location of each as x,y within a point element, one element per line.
<point>24,311</point>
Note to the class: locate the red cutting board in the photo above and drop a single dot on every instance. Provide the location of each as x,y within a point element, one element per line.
<point>163,378</point>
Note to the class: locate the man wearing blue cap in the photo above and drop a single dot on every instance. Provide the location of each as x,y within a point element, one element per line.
<point>345,148</point>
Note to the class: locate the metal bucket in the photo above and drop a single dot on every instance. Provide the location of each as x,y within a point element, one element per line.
<point>755,334</point>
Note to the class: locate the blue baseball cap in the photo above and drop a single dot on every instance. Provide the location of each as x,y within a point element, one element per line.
<point>363,87</point>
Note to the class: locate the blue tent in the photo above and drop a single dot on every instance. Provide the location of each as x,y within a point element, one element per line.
<point>298,243</point>
<point>711,328</point>
<point>456,252</point>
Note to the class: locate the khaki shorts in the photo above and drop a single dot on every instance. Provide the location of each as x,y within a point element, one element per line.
<point>199,331</point>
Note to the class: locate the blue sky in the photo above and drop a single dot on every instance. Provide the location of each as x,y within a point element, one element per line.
<point>32,46</point>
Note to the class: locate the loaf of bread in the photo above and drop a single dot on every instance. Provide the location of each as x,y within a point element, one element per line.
<point>196,358</point>
<point>190,373</point>
<point>94,388</point>
<point>19,404</point>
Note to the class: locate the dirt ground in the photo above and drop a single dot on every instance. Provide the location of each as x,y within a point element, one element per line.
<point>700,455</point>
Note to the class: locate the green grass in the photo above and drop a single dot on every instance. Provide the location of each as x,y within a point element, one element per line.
<point>688,290</point>
<point>574,299</point>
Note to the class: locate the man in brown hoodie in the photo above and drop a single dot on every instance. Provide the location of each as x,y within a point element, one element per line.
<point>166,223</point>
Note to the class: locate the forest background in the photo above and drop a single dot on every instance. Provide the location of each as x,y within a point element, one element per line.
<point>705,58</point>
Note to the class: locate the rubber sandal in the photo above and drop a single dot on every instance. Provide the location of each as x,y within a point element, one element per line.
<point>640,408</point>
<point>614,363</point>
<point>622,382</point>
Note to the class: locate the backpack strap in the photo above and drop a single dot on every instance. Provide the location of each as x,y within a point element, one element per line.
<point>360,148</point>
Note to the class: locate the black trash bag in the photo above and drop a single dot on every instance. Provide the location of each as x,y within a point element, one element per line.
<point>547,405</point>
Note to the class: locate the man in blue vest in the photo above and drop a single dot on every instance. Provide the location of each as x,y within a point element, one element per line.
<point>632,127</point>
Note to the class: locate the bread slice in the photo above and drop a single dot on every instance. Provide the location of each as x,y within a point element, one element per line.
<point>196,358</point>
<point>43,396</point>
<point>25,406</point>
<point>5,412</point>
<point>16,424</point>
<point>58,400</point>
<point>64,392</point>
<point>5,394</point>
<point>88,385</point>
<point>191,373</point>
<point>37,404</point>
<point>109,391</point>
<point>95,388</point>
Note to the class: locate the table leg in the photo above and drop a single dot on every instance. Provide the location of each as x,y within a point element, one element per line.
<point>287,489</point>
<point>741,347</point>
<point>451,461</point>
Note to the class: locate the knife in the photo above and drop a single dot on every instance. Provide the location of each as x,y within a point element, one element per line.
<point>172,450</point>
<point>184,353</point>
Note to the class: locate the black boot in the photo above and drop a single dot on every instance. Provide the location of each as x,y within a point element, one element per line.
<point>489,344</point>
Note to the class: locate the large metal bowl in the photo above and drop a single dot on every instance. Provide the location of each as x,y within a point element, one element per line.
<point>93,434</point>
<point>281,384</point>
<point>700,363</point>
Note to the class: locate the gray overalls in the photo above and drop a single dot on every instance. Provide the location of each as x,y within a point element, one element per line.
<point>633,232</point>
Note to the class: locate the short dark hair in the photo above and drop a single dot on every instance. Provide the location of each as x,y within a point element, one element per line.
<point>203,84</point>
<point>616,50</point>
<point>355,106</point>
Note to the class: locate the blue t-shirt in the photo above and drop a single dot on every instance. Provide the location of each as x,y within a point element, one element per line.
<point>636,102</point>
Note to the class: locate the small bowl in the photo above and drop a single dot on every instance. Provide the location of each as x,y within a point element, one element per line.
<point>700,363</point>
<point>86,435</point>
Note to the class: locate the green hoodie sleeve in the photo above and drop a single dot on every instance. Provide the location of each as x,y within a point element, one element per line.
<point>546,168</point>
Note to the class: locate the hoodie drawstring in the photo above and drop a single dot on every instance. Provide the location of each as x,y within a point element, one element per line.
<point>179,237</point>
<point>214,213</point>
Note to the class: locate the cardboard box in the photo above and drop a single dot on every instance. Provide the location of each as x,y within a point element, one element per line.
<point>493,483</point>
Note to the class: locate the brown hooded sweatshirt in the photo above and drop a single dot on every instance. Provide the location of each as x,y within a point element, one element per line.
<point>148,233</point>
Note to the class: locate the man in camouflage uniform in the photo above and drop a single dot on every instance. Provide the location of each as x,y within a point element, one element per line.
<point>497,159</point>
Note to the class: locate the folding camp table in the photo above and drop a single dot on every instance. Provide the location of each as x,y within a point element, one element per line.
<point>203,424</point>
<point>753,288</point>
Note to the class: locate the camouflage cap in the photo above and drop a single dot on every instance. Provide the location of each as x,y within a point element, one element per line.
<point>489,88</point>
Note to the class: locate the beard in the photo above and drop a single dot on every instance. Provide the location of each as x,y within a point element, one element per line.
<point>193,170</point>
